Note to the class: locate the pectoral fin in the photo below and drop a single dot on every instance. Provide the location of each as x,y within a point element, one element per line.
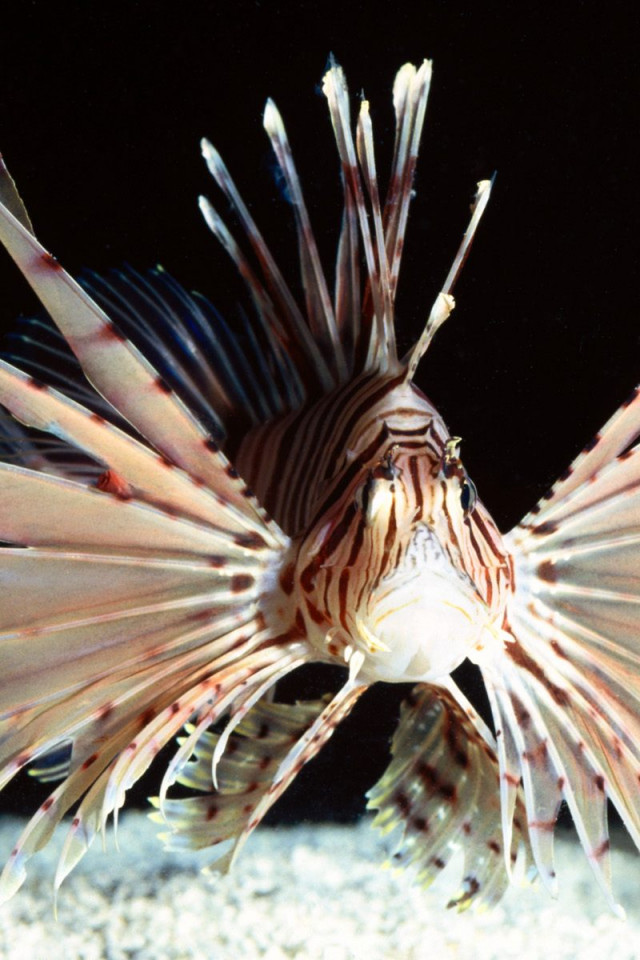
<point>263,754</point>
<point>566,692</point>
<point>442,788</point>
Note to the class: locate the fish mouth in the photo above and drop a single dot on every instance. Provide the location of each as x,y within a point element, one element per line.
<point>423,620</point>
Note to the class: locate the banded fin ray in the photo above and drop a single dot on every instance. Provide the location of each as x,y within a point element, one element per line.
<point>355,333</point>
<point>277,310</point>
<point>223,375</point>
<point>319,309</point>
<point>39,349</point>
<point>103,776</point>
<point>381,351</point>
<point>126,661</point>
<point>266,749</point>
<point>179,333</point>
<point>110,362</point>
<point>99,619</point>
<point>347,294</point>
<point>410,94</point>
<point>216,818</point>
<point>37,509</point>
<point>304,749</point>
<point>89,707</point>
<point>619,432</point>
<point>444,302</point>
<point>113,648</point>
<point>565,688</point>
<point>151,476</point>
<point>441,790</point>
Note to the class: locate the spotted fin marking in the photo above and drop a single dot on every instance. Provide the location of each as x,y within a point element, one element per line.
<point>119,723</point>
<point>565,692</point>
<point>40,510</point>
<point>442,790</point>
<point>143,619</point>
<point>119,371</point>
<point>153,478</point>
<point>217,818</point>
<point>178,525</point>
<point>308,744</point>
<point>210,703</point>
<point>140,616</point>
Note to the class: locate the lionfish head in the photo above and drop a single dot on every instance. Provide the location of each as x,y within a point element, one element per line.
<point>388,563</point>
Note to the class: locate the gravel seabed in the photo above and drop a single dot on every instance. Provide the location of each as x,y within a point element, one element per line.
<point>305,892</point>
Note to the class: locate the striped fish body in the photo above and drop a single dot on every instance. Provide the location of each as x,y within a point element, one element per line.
<point>192,509</point>
<point>387,557</point>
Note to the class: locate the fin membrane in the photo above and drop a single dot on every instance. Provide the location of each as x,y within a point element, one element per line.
<point>218,818</point>
<point>442,790</point>
<point>566,691</point>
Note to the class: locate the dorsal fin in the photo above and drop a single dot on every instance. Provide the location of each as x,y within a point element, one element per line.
<point>11,199</point>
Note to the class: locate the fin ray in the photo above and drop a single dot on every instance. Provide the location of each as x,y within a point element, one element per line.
<point>441,788</point>
<point>567,681</point>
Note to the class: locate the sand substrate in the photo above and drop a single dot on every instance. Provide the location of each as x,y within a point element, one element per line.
<point>303,892</point>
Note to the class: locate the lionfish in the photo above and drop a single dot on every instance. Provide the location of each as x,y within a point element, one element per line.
<point>206,507</point>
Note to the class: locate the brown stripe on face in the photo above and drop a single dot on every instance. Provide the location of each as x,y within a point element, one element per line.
<point>414,473</point>
<point>356,546</point>
<point>369,400</point>
<point>343,599</point>
<point>349,475</point>
<point>389,541</point>
<point>477,520</point>
<point>452,534</point>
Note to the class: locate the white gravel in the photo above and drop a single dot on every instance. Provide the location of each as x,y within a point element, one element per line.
<point>302,892</point>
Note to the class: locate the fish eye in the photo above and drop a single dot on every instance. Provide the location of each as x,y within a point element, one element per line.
<point>468,495</point>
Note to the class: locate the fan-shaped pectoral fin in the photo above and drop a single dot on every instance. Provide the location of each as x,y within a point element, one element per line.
<point>262,756</point>
<point>442,789</point>
<point>565,692</point>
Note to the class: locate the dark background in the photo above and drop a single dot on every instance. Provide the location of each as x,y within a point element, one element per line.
<point>101,111</point>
